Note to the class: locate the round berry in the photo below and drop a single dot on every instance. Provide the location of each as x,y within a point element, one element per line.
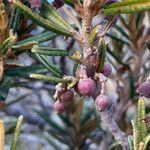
<point>106,70</point>
<point>67,96</point>
<point>102,102</point>
<point>86,86</point>
<point>144,89</point>
<point>57,4</point>
<point>59,106</point>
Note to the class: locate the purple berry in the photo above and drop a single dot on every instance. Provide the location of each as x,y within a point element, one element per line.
<point>102,102</point>
<point>35,3</point>
<point>57,4</point>
<point>106,70</point>
<point>144,89</point>
<point>86,86</point>
<point>59,107</point>
<point>67,96</point>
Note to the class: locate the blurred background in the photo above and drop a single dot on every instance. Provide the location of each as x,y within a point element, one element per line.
<point>81,127</point>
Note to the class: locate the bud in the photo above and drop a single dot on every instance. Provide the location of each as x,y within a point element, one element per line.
<point>106,70</point>
<point>35,3</point>
<point>67,96</point>
<point>94,60</point>
<point>57,4</point>
<point>144,89</point>
<point>102,102</point>
<point>59,107</point>
<point>86,72</point>
<point>86,86</point>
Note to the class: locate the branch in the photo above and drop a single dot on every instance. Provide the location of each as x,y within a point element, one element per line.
<point>107,117</point>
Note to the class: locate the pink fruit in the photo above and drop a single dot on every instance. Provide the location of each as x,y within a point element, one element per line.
<point>59,106</point>
<point>67,96</point>
<point>102,102</point>
<point>86,86</point>
<point>35,3</point>
<point>106,70</point>
<point>144,89</point>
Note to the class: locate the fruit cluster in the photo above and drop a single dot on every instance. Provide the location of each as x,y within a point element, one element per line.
<point>87,85</point>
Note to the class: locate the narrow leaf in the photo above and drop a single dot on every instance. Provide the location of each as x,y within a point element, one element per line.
<point>93,35</point>
<point>7,44</point>
<point>50,66</point>
<point>49,51</point>
<point>17,133</point>
<point>124,7</point>
<point>140,125</point>
<point>39,20</point>
<point>37,39</point>
<point>52,14</point>
<point>50,78</point>
<point>101,54</point>
<point>26,70</point>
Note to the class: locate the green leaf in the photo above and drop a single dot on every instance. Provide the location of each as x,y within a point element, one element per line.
<point>127,6</point>
<point>141,126</point>
<point>136,140</point>
<point>52,14</point>
<point>75,68</point>
<point>17,133</point>
<point>26,70</point>
<point>4,91</point>
<point>8,43</point>
<point>50,66</point>
<point>11,85</point>
<point>93,35</point>
<point>37,39</point>
<point>66,120</point>
<point>39,20</point>
<point>15,19</point>
<point>50,78</point>
<point>132,87</point>
<point>101,54</point>
<point>49,51</point>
